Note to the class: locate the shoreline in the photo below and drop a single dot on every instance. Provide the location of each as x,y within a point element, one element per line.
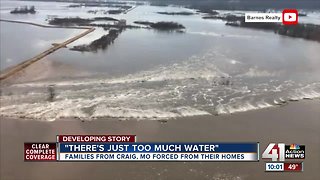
<point>296,122</point>
<point>44,26</point>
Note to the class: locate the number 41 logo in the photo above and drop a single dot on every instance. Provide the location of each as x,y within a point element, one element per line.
<point>274,151</point>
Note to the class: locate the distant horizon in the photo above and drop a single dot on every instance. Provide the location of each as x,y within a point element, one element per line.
<point>221,4</point>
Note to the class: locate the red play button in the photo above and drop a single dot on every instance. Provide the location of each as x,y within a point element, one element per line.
<point>290,16</point>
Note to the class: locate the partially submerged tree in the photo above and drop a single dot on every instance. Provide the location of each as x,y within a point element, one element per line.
<point>51,93</point>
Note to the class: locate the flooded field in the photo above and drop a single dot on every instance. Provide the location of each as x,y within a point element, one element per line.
<point>209,69</point>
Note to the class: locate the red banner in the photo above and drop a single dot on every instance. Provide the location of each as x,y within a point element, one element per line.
<point>294,167</point>
<point>96,138</point>
<point>40,151</point>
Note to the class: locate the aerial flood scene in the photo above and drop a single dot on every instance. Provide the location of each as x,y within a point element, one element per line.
<point>171,70</point>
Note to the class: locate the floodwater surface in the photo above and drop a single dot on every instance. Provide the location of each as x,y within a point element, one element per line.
<point>209,69</point>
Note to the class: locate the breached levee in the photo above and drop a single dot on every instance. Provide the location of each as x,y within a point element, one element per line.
<point>57,110</point>
<point>101,107</point>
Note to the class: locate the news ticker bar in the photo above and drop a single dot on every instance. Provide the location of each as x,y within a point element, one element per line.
<point>125,148</point>
<point>158,152</point>
<point>284,167</point>
<point>157,157</point>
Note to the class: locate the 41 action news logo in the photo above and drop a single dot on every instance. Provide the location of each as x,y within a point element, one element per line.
<point>280,152</point>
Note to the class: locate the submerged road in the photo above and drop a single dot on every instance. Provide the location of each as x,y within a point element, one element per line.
<point>9,72</point>
<point>125,12</point>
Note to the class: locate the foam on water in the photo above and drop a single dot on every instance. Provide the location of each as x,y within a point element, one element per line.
<point>307,92</point>
<point>255,72</point>
<point>213,34</point>
<point>84,109</point>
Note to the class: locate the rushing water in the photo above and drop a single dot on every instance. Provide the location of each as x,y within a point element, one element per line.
<point>210,69</point>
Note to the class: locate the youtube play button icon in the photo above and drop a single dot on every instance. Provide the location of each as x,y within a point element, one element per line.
<point>290,17</point>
